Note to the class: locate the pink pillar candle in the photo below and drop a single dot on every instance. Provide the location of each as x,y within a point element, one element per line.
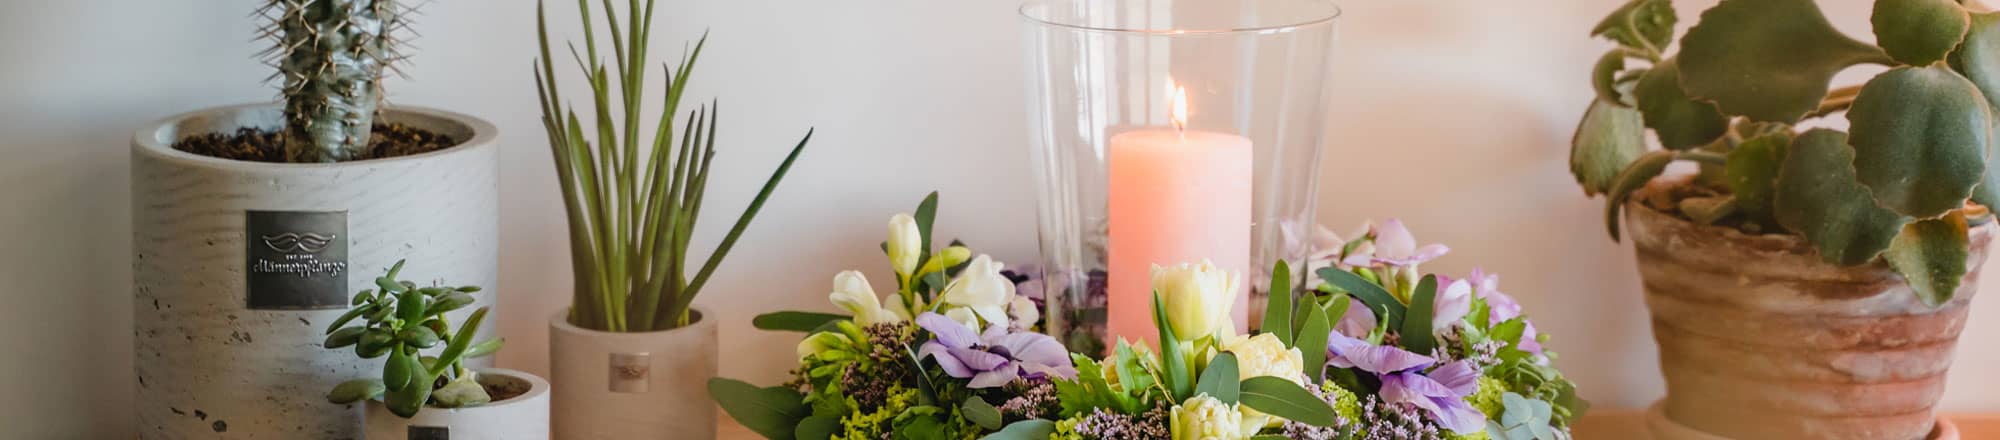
<point>1175,197</point>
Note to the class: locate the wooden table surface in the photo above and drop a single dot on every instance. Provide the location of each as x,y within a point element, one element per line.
<point>1606,424</point>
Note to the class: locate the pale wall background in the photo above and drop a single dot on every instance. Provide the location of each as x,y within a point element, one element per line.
<point>1453,115</point>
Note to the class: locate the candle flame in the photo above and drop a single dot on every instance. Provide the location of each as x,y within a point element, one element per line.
<point>1178,95</point>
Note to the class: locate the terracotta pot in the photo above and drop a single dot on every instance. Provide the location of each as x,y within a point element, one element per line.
<point>1760,339</point>
<point>633,386</point>
<point>522,417</point>
<point>1663,428</point>
<point>239,266</point>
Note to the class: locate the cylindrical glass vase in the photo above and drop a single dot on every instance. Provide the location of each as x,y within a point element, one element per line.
<point>1168,132</point>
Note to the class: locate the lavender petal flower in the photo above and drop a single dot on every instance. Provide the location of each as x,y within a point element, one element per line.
<point>994,358</point>
<point>1347,352</point>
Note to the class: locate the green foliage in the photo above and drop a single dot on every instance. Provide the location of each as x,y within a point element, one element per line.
<point>1523,419</point>
<point>401,321</point>
<point>1219,379</point>
<point>1282,398</point>
<point>1278,310</point>
<point>1036,429</point>
<point>632,209</point>
<point>1416,329</point>
<point>1175,371</point>
<point>795,321</point>
<point>1371,294</point>
<point>980,413</point>
<point>1931,254</point>
<point>1735,99</point>
<point>331,56</point>
<point>772,412</point>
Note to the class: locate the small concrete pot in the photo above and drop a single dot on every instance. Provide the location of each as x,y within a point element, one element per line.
<point>633,386</point>
<point>1760,339</point>
<point>238,267</point>
<point>522,417</point>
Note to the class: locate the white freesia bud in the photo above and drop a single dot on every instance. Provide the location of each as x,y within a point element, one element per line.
<point>852,292</point>
<point>1198,297</point>
<point>983,289</point>
<point>1205,418</point>
<point>905,244</point>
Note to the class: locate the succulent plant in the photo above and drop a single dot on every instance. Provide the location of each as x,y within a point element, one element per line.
<point>402,321</point>
<point>330,56</point>
<point>1749,79</point>
<point>633,202</point>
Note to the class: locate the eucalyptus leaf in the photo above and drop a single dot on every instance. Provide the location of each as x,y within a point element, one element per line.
<point>1769,60</point>
<point>1372,295</point>
<point>1920,136</point>
<point>1032,429</point>
<point>1278,306</point>
<point>1931,255</point>
<point>1220,379</point>
<point>1681,122</point>
<point>926,217</point>
<point>1609,137</point>
<point>1416,330</point>
<point>1753,174</point>
<point>1312,337</point>
<point>772,412</point>
<point>1818,197</point>
<point>817,428</point>
<point>1918,32</point>
<point>1282,398</point>
<point>981,413</point>
<point>795,321</point>
<point>1631,179</point>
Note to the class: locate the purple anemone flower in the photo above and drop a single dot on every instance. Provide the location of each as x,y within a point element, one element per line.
<point>994,358</point>
<point>1440,392</point>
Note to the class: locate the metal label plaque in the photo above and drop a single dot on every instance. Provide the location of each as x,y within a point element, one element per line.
<point>295,260</point>
<point>429,433</point>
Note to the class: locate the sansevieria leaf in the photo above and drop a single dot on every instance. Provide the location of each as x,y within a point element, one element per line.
<point>1817,197</point>
<point>1769,60</point>
<point>1610,137</point>
<point>1931,255</point>
<point>1918,32</point>
<point>1920,137</point>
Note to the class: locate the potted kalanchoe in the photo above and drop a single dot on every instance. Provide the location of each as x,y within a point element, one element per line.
<point>249,219</point>
<point>1811,280</point>
<point>1375,352</point>
<point>632,346</point>
<point>425,389</point>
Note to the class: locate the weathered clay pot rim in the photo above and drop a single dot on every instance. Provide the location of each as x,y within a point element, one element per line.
<point>1788,241</point>
<point>157,138</point>
<point>537,388</point>
<point>1665,428</point>
<point>697,317</point>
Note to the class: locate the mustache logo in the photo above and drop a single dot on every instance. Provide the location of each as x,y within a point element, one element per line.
<point>292,242</point>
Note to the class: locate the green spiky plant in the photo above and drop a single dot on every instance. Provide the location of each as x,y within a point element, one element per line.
<point>1749,78</point>
<point>633,203</point>
<point>330,56</point>
<point>401,321</point>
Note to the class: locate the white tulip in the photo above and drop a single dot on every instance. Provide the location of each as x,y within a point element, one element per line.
<point>1198,297</point>
<point>983,289</point>
<point>905,244</point>
<point>852,292</point>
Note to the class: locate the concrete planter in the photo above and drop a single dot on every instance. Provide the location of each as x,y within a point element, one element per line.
<point>633,386</point>
<point>523,417</point>
<point>1759,339</point>
<point>239,266</point>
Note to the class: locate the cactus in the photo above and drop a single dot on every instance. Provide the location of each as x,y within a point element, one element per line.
<point>401,321</point>
<point>330,56</point>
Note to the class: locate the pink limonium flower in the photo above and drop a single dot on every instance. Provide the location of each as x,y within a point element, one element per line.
<point>994,358</point>
<point>1440,392</point>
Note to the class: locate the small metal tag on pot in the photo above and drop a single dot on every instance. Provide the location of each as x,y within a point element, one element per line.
<point>429,433</point>
<point>295,260</point>
<point>631,372</point>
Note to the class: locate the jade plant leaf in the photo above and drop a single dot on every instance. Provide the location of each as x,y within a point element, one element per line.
<point>1817,197</point>
<point>1610,137</point>
<point>1753,173</point>
<point>1640,24</point>
<point>1634,177</point>
<point>1769,60</point>
<point>1920,138</point>
<point>1918,32</point>
<point>356,390</point>
<point>1681,122</point>
<point>1931,255</point>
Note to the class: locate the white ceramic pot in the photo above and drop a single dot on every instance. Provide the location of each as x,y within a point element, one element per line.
<point>239,266</point>
<point>522,417</point>
<point>633,386</point>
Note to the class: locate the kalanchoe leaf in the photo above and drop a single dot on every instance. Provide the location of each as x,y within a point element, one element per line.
<point>1708,210</point>
<point>1634,177</point>
<point>1931,255</point>
<point>1818,197</point>
<point>1610,137</point>
<point>1604,76</point>
<point>1769,60</point>
<point>355,391</point>
<point>1978,59</point>
<point>1646,25</point>
<point>1918,32</point>
<point>1920,136</point>
<point>1680,121</point>
<point>1753,174</point>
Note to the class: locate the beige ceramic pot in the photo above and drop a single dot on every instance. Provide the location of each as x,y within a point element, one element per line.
<point>520,417</point>
<point>1759,339</point>
<point>633,386</point>
<point>238,267</point>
